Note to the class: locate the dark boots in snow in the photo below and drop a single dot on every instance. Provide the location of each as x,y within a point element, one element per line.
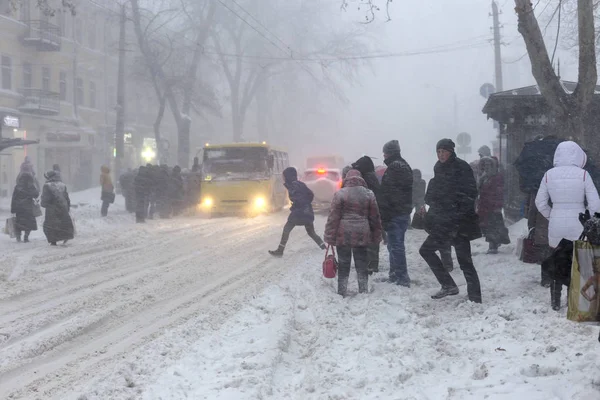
<point>278,252</point>
<point>444,292</point>
<point>363,282</point>
<point>342,286</point>
<point>555,294</point>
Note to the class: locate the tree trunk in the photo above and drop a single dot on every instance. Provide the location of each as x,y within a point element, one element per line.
<point>157,123</point>
<point>261,112</point>
<point>183,142</point>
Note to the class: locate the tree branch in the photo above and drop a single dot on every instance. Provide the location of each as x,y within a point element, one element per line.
<point>541,67</point>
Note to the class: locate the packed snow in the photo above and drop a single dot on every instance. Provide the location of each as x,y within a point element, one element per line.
<point>190,308</point>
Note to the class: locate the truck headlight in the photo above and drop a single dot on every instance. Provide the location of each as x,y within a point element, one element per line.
<point>260,202</point>
<point>207,202</point>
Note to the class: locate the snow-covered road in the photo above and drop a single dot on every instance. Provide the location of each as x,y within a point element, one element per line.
<point>68,314</point>
<point>197,309</point>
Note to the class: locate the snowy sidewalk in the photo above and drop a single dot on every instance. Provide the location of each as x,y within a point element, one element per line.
<point>299,340</point>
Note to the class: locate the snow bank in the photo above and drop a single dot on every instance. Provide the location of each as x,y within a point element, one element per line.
<point>300,340</point>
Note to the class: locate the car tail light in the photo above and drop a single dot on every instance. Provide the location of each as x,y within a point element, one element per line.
<point>321,171</point>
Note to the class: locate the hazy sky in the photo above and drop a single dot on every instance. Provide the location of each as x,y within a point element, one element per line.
<point>411,98</point>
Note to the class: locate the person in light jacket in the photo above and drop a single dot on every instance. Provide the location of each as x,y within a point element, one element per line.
<point>568,186</point>
<point>353,226</point>
<point>108,190</point>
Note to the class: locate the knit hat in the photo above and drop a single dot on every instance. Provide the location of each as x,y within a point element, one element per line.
<point>446,144</point>
<point>391,147</point>
<point>484,151</point>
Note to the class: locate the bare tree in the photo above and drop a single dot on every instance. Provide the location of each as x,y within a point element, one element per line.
<point>293,46</point>
<point>175,83</point>
<point>571,110</point>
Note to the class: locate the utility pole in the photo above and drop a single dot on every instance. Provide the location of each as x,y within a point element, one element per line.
<point>120,126</point>
<point>498,63</point>
<point>497,48</point>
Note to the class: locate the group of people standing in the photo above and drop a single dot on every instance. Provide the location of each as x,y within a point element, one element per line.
<point>58,224</point>
<point>154,189</point>
<point>375,205</point>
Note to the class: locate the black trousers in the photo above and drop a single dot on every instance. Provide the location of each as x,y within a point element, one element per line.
<point>310,229</point>
<point>463,255</point>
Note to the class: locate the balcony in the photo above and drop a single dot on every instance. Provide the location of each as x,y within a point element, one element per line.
<point>43,35</point>
<point>41,102</point>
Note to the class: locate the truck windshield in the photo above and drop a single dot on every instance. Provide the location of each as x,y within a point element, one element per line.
<point>235,163</point>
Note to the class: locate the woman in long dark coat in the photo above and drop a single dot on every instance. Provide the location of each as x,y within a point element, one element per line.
<point>22,205</point>
<point>58,225</point>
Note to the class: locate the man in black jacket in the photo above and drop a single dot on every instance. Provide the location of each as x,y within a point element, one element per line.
<point>451,220</point>
<point>365,166</point>
<point>395,205</point>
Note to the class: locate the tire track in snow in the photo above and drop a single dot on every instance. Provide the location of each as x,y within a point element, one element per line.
<point>162,305</point>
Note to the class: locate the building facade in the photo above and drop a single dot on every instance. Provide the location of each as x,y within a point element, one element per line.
<point>58,85</point>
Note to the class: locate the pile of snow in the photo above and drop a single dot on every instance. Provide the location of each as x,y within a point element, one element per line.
<point>300,340</point>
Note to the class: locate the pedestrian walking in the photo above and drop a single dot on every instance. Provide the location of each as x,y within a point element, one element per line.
<point>107,194</point>
<point>58,225</point>
<point>490,204</point>
<point>451,220</point>
<point>567,187</point>
<point>353,226</point>
<point>22,205</point>
<point>395,207</point>
<point>301,211</point>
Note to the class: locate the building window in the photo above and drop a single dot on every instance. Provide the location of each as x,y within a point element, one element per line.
<point>46,78</point>
<point>27,75</point>
<point>78,30</point>
<point>92,31</point>
<point>79,92</point>
<point>63,85</point>
<point>93,94</point>
<point>6,73</point>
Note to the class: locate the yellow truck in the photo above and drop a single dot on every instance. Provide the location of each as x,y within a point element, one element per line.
<point>242,178</point>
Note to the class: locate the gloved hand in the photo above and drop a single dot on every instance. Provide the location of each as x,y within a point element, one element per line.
<point>584,217</point>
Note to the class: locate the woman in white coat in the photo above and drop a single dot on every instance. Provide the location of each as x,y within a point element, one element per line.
<point>566,187</point>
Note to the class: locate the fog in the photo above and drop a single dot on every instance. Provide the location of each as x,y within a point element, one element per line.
<point>304,75</point>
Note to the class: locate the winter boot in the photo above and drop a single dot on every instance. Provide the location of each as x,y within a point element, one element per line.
<point>555,294</point>
<point>323,246</point>
<point>363,283</point>
<point>52,243</point>
<point>342,286</point>
<point>26,238</point>
<point>18,235</point>
<point>493,249</point>
<point>444,292</point>
<point>278,252</point>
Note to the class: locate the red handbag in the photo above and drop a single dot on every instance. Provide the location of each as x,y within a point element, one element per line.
<point>330,264</point>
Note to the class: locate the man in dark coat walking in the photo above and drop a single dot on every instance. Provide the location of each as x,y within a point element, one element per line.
<point>366,167</point>
<point>451,219</point>
<point>395,205</point>
<point>301,212</point>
